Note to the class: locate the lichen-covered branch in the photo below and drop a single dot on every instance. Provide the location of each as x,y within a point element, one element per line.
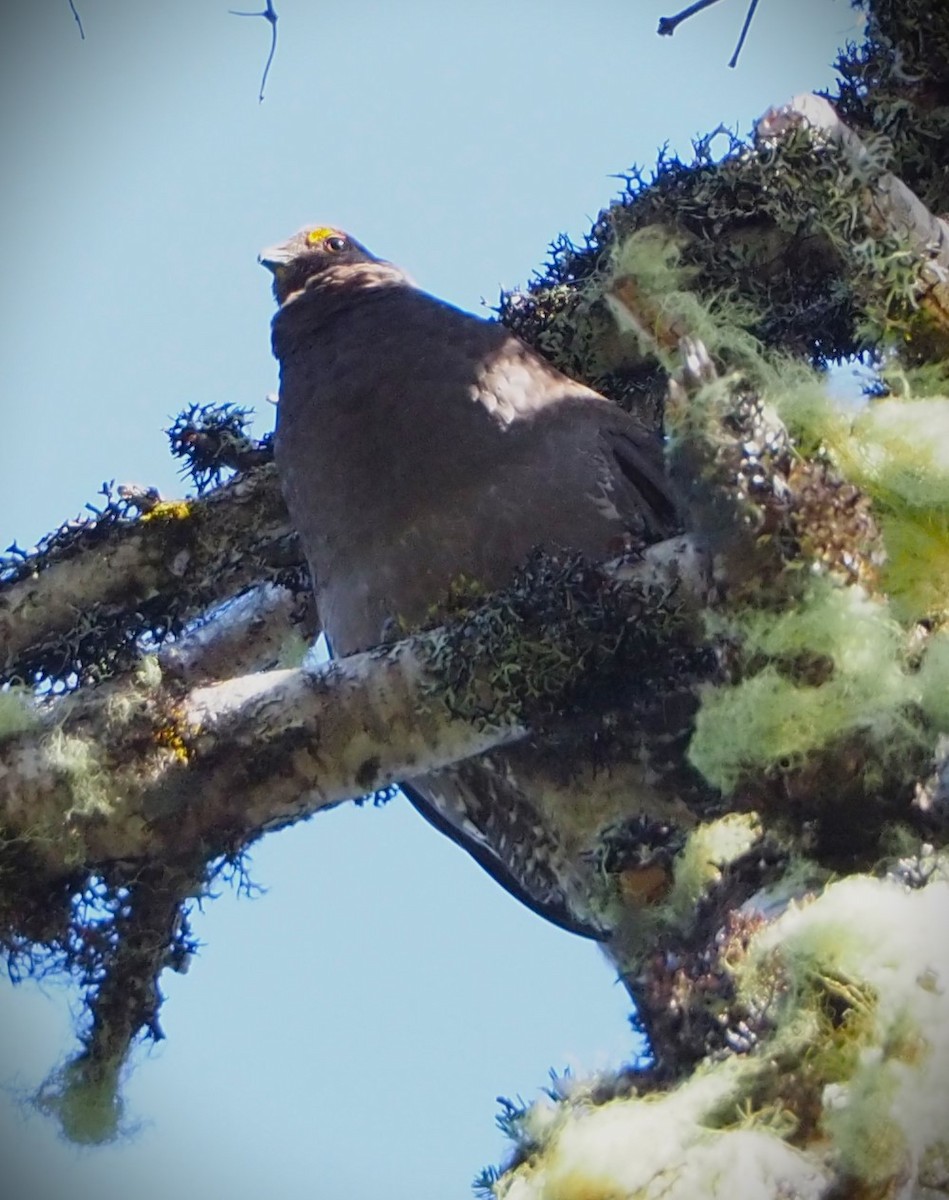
<point>143,767</point>
<point>119,804</point>
<point>846,1094</point>
<point>137,770</point>
<point>80,606</point>
<point>891,209</point>
<point>805,243</point>
<point>268,626</point>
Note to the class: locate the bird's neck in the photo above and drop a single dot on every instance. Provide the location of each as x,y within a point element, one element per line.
<point>335,288</point>
<point>308,313</point>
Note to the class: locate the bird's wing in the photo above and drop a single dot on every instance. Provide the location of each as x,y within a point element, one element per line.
<point>640,483</point>
<point>446,801</point>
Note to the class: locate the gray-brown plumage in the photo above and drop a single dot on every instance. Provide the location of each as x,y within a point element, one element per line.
<point>418,444</point>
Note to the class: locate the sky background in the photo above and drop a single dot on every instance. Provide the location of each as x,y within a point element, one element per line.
<point>343,1036</point>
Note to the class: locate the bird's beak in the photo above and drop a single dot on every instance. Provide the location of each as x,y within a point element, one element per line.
<point>275,257</point>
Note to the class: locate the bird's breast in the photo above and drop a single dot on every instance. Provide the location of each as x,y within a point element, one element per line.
<point>417,448</point>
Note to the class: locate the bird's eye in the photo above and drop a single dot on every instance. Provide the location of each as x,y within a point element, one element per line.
<point>334,244</point>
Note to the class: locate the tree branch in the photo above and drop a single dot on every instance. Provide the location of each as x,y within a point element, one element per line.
<point>77,19</point>
<point>668,25</point>
<point>749,17</point>
<point>139,768</point>
<point>270,15</point>
<point>890,206</point>
<point>109,581</point>
<point>266,627</point>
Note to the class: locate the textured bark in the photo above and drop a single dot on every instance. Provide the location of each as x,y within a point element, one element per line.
<point>181,557</point>
<point>143,768</point>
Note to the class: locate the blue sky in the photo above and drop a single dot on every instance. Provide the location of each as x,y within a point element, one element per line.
<point>346,1034</point>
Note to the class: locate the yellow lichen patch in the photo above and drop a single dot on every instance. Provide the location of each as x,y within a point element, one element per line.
<point>172,737</point>
<point>168,510</point>
<point>641,887</point>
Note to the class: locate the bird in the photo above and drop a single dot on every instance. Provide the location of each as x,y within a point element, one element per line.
<point>417,445</point>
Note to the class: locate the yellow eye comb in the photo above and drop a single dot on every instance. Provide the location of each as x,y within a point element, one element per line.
<point>321,232</point>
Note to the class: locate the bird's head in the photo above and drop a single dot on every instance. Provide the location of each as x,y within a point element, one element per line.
<point>310,253</point>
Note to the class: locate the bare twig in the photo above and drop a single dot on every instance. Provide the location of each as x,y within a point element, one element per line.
<point>733,61</point>
<point>72,9</point>
<point>668,25</point>
<point>270,15</point>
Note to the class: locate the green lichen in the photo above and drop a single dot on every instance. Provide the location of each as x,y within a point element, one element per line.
<point>84,1098</point>
<point>148,675</point>
<point>914,382</point>
<point>564,636</point>
<point>851,1081</point>
<point>708,850</point>
<point>917,568</point>
<point>934,681</point>
<point>703,1138</point>
<point>652,258</point>
<point>17,712</point>
<point>804,403</point>
<point>896,450</point>
<point>773,718</point>
<point>293,650</point>
<point>132,704</point>
<point>76,764</point>
<point>854,982</point>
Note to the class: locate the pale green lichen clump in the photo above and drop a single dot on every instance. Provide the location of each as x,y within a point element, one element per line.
<point>17,712</point>
<point>653,258</point>
<point>76,763</point>
<point>771,718</point>
<point>707,851</point>
<point>879,677</point>
<point>853,1082</point>
<point>622,1148</point>
<point>897,451</point>
<point>865,970</point>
